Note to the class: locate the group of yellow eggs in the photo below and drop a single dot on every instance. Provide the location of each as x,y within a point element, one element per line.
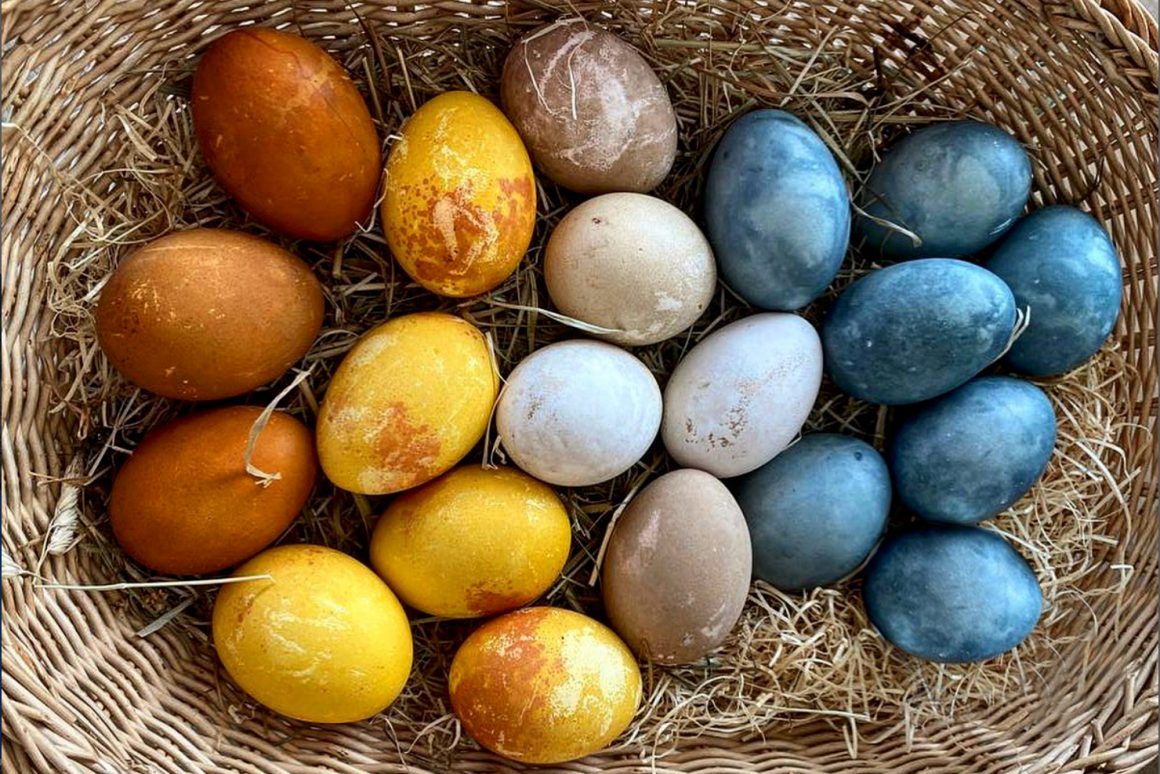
<point>209,314</point>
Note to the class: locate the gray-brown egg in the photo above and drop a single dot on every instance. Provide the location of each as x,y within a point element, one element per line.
<point>590,109</point>
<point>677,569</point>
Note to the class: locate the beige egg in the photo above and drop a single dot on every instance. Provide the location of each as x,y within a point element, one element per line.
<point>632,263</point>
<point>677,570</point>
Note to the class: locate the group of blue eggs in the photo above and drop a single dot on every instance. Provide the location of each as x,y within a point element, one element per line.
<point>970,282</point>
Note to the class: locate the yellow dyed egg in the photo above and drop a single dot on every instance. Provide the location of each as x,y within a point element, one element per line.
<point>544,685</point>
<point>407,403</point>
<point>474,542</point>
<point>322,640</point>
<point>460,199</point>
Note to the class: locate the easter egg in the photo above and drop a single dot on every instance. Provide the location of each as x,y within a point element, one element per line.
<point>594,115</point>
<point>460,200</point>
<point>473,542</point>
<point>957,186</point>
<point>322,639</point>
<point>207,314</point>
<point>406,403</point>
<point>578,412</point>
<point>915,330</point>
<point>970,454</point>
<point>742,394</point>
<point>815,511</point>
<point>631,263</point>
<point>951,593</point>
<point>1060,264</point>
<point>776,210</point>
<point>676,573</point>
<point>286,133</point>
<point>184,504</point>
<point>544,685</point>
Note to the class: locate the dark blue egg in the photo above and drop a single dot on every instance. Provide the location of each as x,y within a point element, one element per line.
<point>776,210</point>
<point>950,593</point>
<point>915,330</point>
<point>1061,264</point>
<point>815,511</point>
<point>973,452</point>
<point>958,186</point>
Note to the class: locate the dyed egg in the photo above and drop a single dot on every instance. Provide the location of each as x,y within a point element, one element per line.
<point>544,685</point>
<point>973,452</point>
<point>912,331</point>
<point>677,570</point>
<point>207,314</point>
<point>951,593</point>
<point>184,504</point>
<point>957,186</point>
<point>286,133</point>
<point>777,211</point>
<point>631,263</point>
<point>322,639</point>
<point>593,113</point>
<point>1060,264</point>
<point>815,511</point>
<point>460,199</point>
<point>742,394</point>
<point>471,543</point>
<point>579,412</point>
<point>407,403</point>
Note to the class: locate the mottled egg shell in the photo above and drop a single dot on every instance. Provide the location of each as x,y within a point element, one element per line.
<point>632,263</point>
<point>777,211</point>
<point>958,186</point>
<point>915,330</point>
<point>473,542</point>
<point>677,569</point>
<point>321,640</point>
<point>741,395</point>
<point>815,511</point>
<point>207,314</point>
<point>578,412</point>
<point>970,454</point>
<point>286,133</point>
<point>407,403</point>
<point>1060,263</point>
<point>184,504</point>
<point>460,199</point>
<point>593,113</point>
<point>544,685</point>
<point>951,593</point>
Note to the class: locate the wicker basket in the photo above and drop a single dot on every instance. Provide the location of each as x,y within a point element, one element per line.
<point>82,693</point>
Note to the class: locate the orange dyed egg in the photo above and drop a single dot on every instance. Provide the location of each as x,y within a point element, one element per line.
<point>460,201</point>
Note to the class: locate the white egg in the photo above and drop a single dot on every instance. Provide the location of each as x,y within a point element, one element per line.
<point>742,394</point>
<point>578,412</point>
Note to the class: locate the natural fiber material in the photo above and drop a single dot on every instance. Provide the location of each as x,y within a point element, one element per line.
<point>100,157</point>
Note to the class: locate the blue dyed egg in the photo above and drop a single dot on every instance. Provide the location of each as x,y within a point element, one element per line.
<point>973,452</point>
<point>915,330</point>
<point>1061,264</point>
<point>958,186</point>
<point>815,511</point>
<point>777,211</point>
<point>951,593</point>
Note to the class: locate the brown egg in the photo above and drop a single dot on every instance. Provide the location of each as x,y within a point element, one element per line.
<point>590,109</point>
<point>286,133</point>
<point>677,569</point>
<point>208,314</point>
<point>184,503</point>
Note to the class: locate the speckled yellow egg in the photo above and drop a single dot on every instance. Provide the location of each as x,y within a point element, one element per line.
<point>322,639</point>
<point>406,403</point>
<point>473,542</point>
<point>460,199</point>
<point>544,685</point>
